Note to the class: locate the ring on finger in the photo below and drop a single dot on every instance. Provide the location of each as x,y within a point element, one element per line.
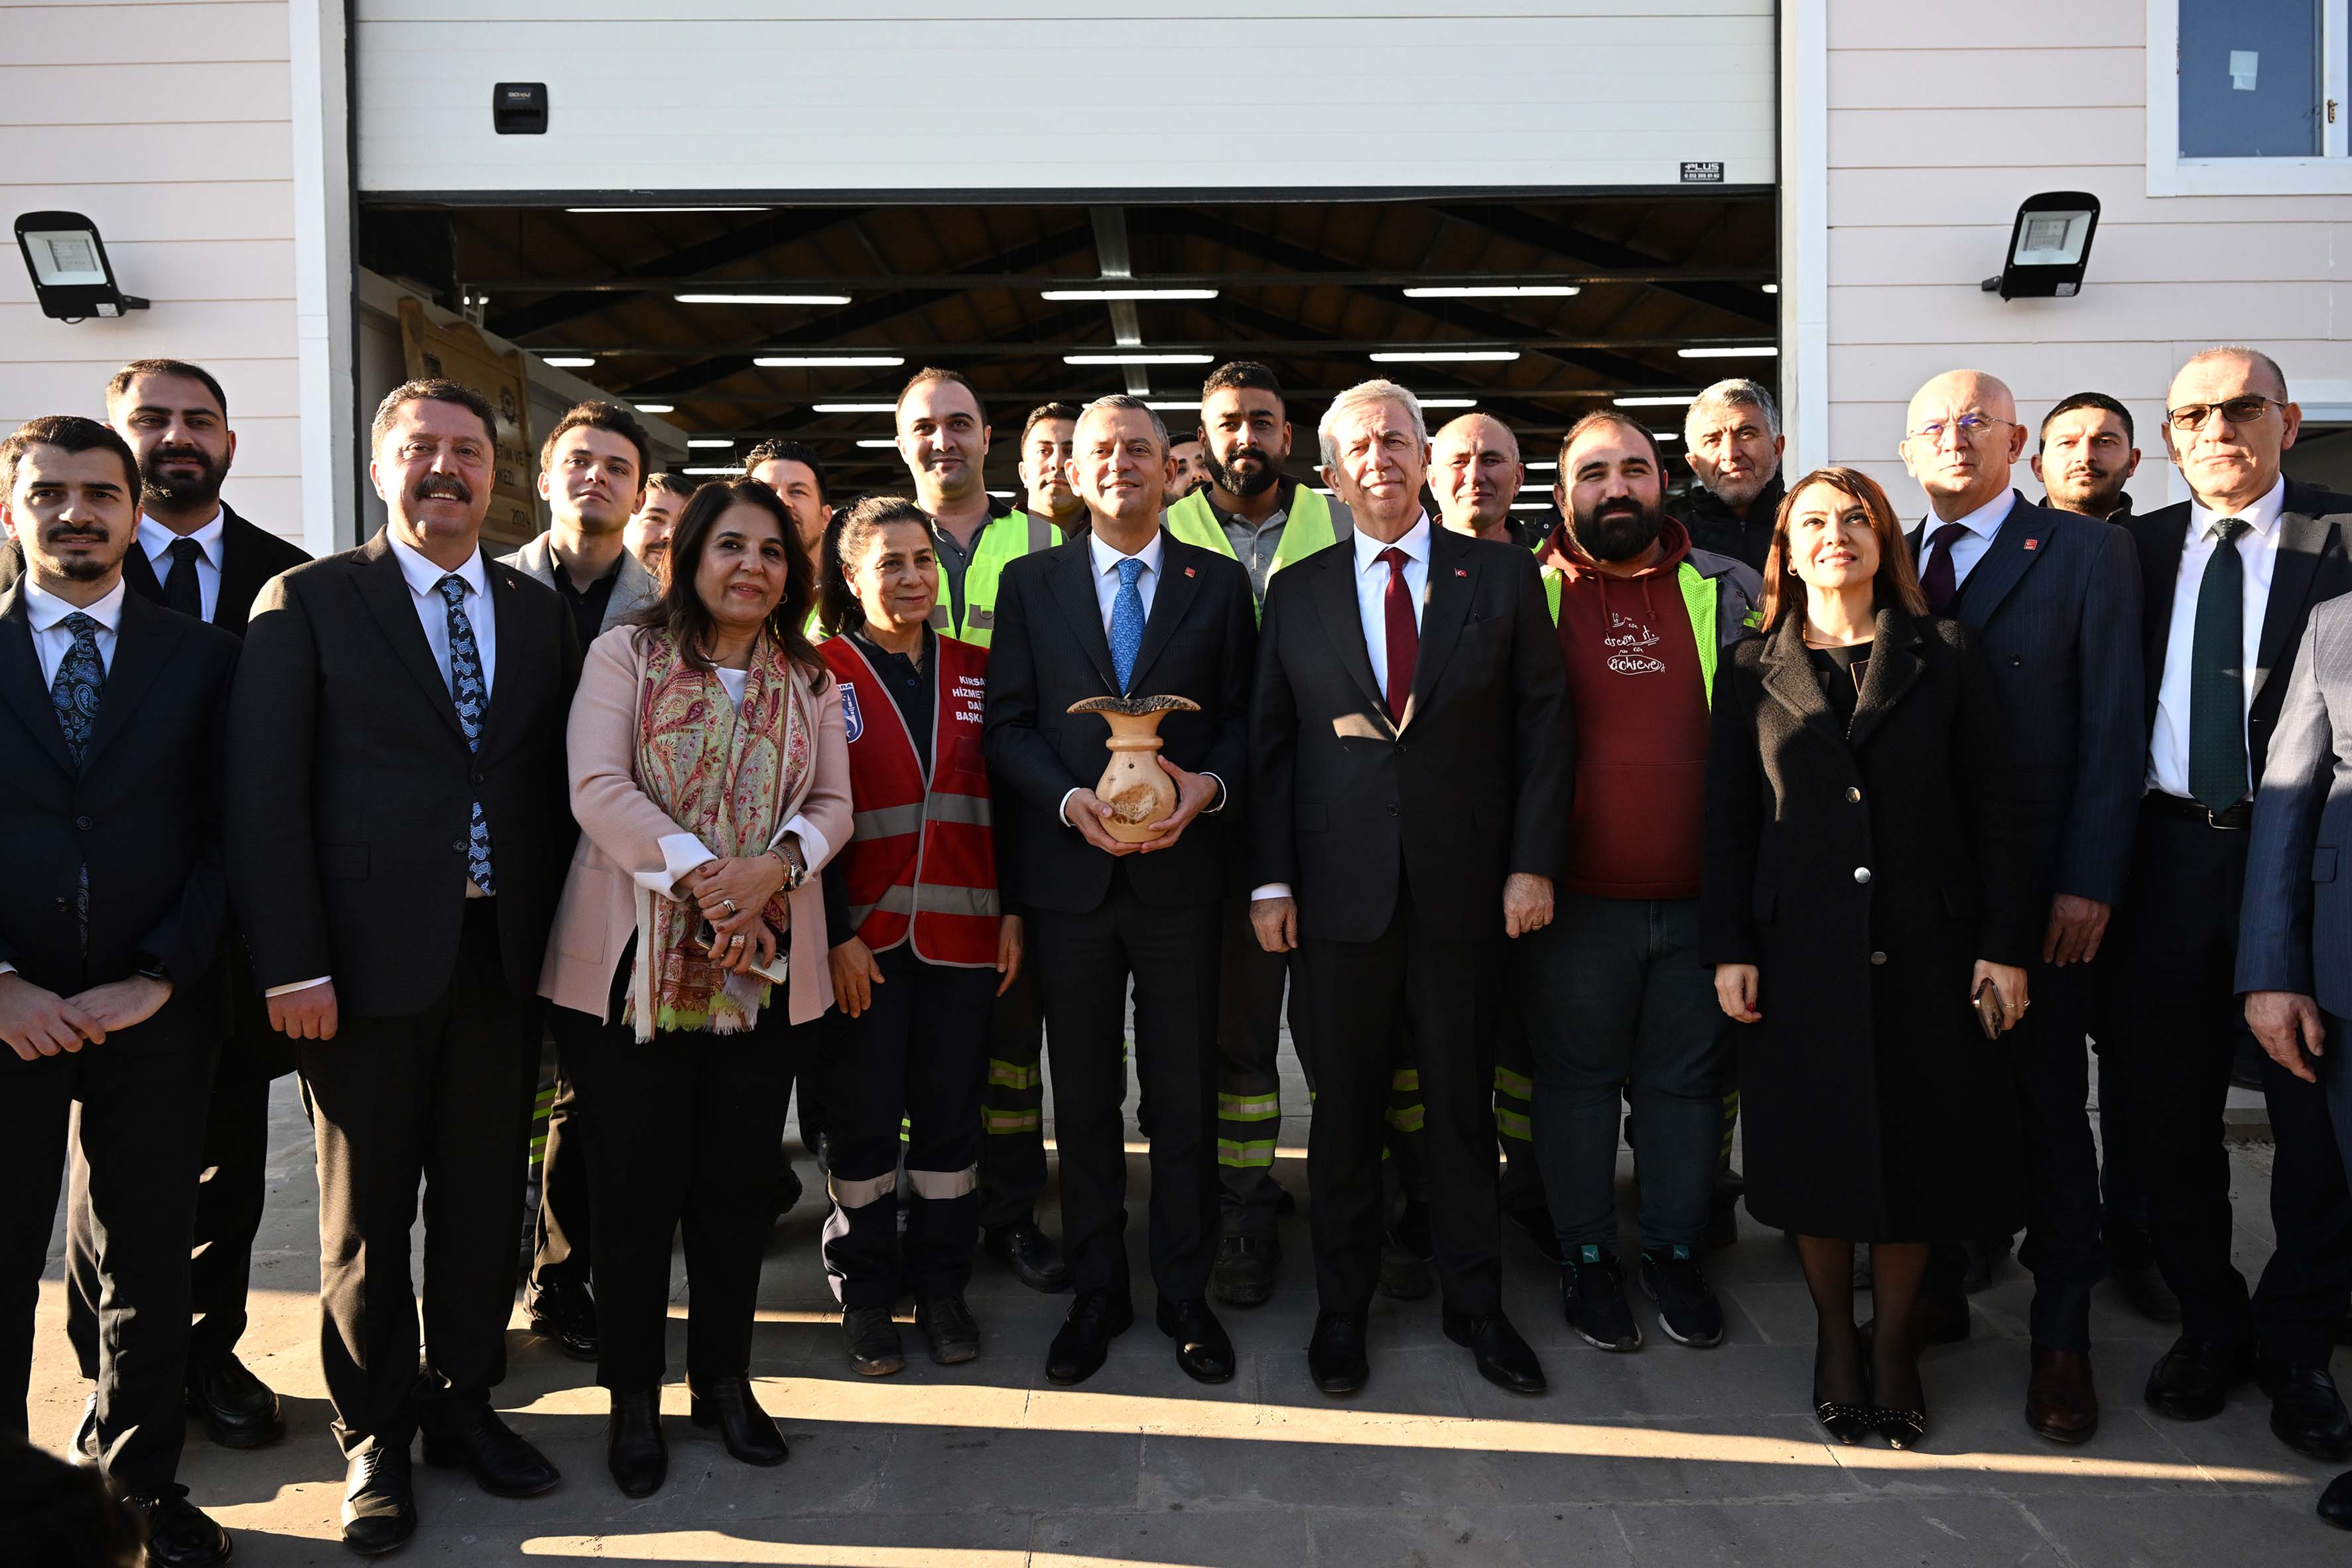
<point>730,905</point>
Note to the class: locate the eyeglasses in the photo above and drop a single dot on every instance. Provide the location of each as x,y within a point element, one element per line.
<point>2243,410</point>
<point>1969,425</point>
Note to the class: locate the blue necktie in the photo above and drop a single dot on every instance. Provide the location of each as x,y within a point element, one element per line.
<point>1127,623</point>
<point>472,697</point>
<point>75,694</point>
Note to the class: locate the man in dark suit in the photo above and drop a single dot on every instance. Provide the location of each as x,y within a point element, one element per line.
<point>2053,601</point>
<point>2229,577</point>
<point>397,837</point>
<point>1411,765</point>
<point>1126,611</point>
<point>2294,946</point>
<point>110,719</point>
<point>195,555</point>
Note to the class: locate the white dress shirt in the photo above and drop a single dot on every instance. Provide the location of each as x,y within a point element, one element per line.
<point>155,540</point>
<point>433,611</point>
<point>2257,547</point>
<point>51,641</point>
<point>1969,548</point>
<point>1105,562</point>
<point>1372,609</point>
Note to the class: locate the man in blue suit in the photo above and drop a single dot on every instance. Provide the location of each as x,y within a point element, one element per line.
<point>2053,600</point>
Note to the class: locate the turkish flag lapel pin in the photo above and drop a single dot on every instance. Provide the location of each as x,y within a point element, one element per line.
<point>2033,544</point>
<point>1190,573</point>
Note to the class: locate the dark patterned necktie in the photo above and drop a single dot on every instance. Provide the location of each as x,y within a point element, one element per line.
<point>182,592</point>
<point>1404,633</point>
<point>471,694</point>
<point>2217,675</point>
<point>75,694</point>
<point>1941,580</point>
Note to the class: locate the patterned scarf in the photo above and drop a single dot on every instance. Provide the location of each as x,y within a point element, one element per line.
<point>733,778</point>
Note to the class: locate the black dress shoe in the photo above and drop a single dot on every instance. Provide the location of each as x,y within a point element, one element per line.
<point>949,1326</point>
<point>1032,1256</point>
<point>635,1450</point>
<point>2191,1380</point>
<point>379,1501</point>
<point>874,1346</point>
<point>1202,1349</point>
<point>565,1310</point>
<point>749,1432</point>
<point>1244,1274</point>
<point>178,1534</point>
<point>2143,1289</point>
<point>1504,1359</point>
<point>1083,1341</point>
<point>467,1435</point>
<point>1334,1356</point>
<point>2306,1413</point>
<point>2335,1502</point>
<point>84,1449</point>
<point>238,1410</point>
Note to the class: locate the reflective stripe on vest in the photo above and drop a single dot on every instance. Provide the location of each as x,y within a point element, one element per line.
<point>1006,540</point>
<point>920,864</point>
<point>1698,598</point>
<point>1306,530</point>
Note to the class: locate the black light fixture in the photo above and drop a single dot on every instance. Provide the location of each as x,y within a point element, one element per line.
<point>2048,246</point>
<point>71,272</point>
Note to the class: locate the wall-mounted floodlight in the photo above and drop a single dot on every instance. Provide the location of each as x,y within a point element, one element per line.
<point>2048,246</point>
<point>71,272</point>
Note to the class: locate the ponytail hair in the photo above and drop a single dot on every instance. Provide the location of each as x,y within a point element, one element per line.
<point>850,535</point>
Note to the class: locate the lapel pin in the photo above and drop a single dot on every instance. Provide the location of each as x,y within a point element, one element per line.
<point>1458,572</point>
<point>2033,544</point>
<point>1190,573</point>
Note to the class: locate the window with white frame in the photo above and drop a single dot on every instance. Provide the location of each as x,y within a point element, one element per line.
<point>2247,97</point>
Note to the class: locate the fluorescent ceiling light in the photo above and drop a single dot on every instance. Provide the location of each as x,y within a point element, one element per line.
<point>726,442</point>
<point>665,209</point>
<point>1063,294</point>
<point>1533,467</point>
<point>1659,400</point>
<point>1771,288</point>
<point>1757,350</point>
<point>1668,435</point>
<point>1004,495</point>
<point>709,473</point>
<point>1449,402</point>
<point>1142,356</point>
<point>761,298</point>
<point>570,361</point>
<point>827,362</point>
<point>879,441</point>
<point>656,407</point>
<point>853,407</point>
<point>1443,356</point>
<point>1494,292</point>
<point>1531,506</point>
<point>1193,407</point>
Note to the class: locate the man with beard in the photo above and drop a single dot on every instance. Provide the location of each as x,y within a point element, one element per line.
<point>398,831</point>
<point>1252,510</point>
<point>2053,600</point>
<point>647,535</point>
<point>195,555</point>
<point>591,471</point>
<point>1191,468</point>
<point>1410,743</point>
<point>943,436</point>
<point>796,474</point>
<point>1615,994</point>
<point>2087,457</point>
<point>1732,441</point>
<point>110,915</point>
<point>1044,466</point>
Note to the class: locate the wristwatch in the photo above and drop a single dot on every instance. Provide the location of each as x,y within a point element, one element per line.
<point>788,855</point>
<point>147,966</point>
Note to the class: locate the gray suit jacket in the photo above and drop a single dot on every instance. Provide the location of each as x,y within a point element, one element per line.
<point>635,590</point>
<point>2295,931</point>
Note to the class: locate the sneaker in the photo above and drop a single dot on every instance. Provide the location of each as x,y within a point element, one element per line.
<point>1244,1273</point>
<point>1593,1294</point>
<point>1687,1309</point>
<point>949,1325</point>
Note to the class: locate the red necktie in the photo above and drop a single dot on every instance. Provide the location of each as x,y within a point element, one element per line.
<point>1404,633</point>
<point>1941,582</point>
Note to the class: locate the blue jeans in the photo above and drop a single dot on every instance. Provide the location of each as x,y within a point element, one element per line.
<point>1618,1004</point>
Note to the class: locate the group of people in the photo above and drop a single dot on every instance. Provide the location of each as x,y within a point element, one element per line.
<point>1774,810</point>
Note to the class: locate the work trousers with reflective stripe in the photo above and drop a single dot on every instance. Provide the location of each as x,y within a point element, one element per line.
<point>1013,1104</point>
<point>1522,1181</point>
<point>916,1058</point>
<point>1249,1087</point>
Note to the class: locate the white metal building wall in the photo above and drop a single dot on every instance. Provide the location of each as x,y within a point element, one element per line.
<point>929,99</point>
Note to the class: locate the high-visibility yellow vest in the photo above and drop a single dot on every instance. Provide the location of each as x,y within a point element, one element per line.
<point>1306,530</point>
<point>1004,539</point>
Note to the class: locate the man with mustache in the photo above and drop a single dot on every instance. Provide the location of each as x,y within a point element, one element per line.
<point>1253,512</point>
<point>1191,468</point>
<point>2087,457</point>
<point>113,903</point>
<point>591,472</point>
<point>1615,997</point>
<point>399,831</point>
<point>195,555</point>
<point>1732,441</point>
<point>1044,466</point>
<point>2052,601</point>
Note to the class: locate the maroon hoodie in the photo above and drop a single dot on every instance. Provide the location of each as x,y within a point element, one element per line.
<point>1640,702</point>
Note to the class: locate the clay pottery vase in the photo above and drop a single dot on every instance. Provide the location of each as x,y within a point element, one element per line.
<point>1135,786</point>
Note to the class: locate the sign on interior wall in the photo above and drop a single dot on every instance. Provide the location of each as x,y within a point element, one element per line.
<point>455,349</point>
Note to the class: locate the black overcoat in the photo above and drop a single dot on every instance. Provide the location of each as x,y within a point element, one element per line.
<point>1864,873</point>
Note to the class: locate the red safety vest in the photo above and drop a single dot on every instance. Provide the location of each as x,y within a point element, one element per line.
<point>922,861</point>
